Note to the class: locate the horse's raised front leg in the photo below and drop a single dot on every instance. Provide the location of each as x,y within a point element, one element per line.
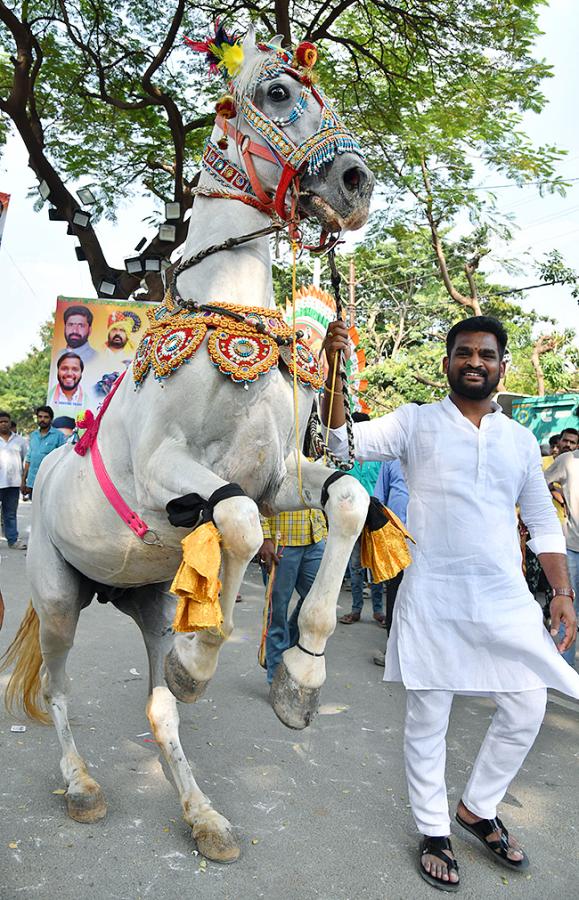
<point>153,608</point>
<point>56,593</point>
<point>296,684</point>
<point>193,660</point>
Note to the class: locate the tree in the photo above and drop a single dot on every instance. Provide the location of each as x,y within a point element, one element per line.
<point>403,314</point>
<point>104,92</point>
<point>23,385</point>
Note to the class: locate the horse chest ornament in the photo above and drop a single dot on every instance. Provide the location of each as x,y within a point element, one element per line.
<point>244,342</point>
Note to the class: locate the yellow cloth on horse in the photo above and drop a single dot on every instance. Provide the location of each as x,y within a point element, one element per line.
<point>197,581</point>
<point>384,550</point>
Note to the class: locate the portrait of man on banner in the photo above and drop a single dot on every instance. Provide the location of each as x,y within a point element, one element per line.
<point>94,342</point>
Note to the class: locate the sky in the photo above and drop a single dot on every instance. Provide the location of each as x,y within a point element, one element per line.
<point>38,262</point>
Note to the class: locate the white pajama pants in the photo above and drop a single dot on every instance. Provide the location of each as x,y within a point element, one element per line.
<point>510,736</point>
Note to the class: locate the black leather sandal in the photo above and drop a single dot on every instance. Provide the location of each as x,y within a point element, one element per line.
<point>435,846</point>
<point>498,849</point>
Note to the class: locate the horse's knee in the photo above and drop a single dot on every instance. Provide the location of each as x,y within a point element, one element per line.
<point>237,519</point>
<point>348,505</point>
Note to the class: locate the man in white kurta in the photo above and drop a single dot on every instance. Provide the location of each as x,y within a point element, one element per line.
<point>465,621</point>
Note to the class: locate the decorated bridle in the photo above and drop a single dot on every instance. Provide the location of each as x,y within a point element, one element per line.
<point>224,51</point>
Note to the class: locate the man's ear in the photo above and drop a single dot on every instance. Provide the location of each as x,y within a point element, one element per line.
<point>445,362</point>
<point>502,368</point>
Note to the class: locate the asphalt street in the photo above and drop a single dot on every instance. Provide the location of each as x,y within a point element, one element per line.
<point>321,813</point>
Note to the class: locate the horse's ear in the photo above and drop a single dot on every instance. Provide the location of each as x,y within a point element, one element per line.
<point>249,42</point>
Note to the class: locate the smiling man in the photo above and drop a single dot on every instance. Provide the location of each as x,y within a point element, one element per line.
<point>464,621</point>
<point>68,391</point>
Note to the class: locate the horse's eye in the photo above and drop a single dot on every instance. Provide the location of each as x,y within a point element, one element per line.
<point>278,93</point>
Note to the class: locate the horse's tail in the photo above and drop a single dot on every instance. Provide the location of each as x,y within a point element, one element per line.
<point>24,690</point>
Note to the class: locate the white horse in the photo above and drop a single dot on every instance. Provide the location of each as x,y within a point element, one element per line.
<point>196,433</point>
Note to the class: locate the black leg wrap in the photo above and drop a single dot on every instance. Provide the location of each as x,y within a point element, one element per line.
<point>335,476</point>
<point>191,509</point>
<point>293,704</point>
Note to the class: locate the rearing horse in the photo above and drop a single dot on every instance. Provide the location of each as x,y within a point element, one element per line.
<point>277,151</point>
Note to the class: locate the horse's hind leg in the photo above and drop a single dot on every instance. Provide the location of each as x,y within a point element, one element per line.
<point>193,660</point>
<point>153,608</point>
<point>56,593</point>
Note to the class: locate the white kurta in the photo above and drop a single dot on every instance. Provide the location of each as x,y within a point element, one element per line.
<point>464,619</point>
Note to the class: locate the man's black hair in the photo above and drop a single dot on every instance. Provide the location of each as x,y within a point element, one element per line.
<point>78,311</point>
<point>478,323</point>
<point>70,354</point>
<point>46,409</point>
<point>554,439</point>
<point>63,422</point>
<point>570,431</point>
<point>5,415</point>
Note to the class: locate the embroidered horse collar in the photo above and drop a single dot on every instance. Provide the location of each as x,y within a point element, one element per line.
<point>244,342</point>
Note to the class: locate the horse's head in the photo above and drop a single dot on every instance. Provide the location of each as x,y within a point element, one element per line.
<point>289,141</point>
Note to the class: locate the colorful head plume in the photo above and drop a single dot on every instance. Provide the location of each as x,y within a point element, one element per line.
<point>222,50</point>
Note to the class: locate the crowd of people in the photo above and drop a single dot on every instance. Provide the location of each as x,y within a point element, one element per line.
<point>20,460</point>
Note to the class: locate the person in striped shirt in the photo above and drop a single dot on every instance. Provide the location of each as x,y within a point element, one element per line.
<point>294,544</point>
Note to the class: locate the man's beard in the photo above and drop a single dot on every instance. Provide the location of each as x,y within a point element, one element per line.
<point>75,340</point>
<point>70,388</point>
<point>473,391</point>
<point>117,343</point>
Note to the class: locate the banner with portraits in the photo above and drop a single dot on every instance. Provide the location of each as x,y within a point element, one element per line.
<point>94,341</point>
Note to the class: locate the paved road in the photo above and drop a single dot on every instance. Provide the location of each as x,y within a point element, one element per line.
<point>321,813</point>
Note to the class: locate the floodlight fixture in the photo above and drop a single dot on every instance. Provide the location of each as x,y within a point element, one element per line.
<point>134,265</point>
<point>55,215</point>
<point>152,264</point>
<point>107,287</point>
<point>165,263</point>
<point>86,196</point>
<point>141,244</point>
<point>168,233</point>
<point>80,254</point>
<point>81,218</point>
<point>44,190</point>
<point>172,210</point>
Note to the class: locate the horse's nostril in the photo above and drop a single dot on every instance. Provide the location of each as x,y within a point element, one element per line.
<point>354,178</point>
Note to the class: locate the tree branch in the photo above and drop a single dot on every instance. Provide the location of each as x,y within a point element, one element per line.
<point>433,384</point>
<point>472,301</point>
<point>543,344</point>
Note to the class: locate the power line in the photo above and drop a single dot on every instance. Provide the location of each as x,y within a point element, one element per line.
<point>496,187</point>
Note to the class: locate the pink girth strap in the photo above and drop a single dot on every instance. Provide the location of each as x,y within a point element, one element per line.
<point>128,515</point>
<point>89,442</point>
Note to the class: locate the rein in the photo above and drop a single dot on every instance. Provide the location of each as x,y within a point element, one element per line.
<point>318,442</point>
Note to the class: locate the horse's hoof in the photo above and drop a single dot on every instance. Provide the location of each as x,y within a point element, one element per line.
<point>293,704</point>
<point>218,846</point>
<point>87,807</point>
<point>179,681</point>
